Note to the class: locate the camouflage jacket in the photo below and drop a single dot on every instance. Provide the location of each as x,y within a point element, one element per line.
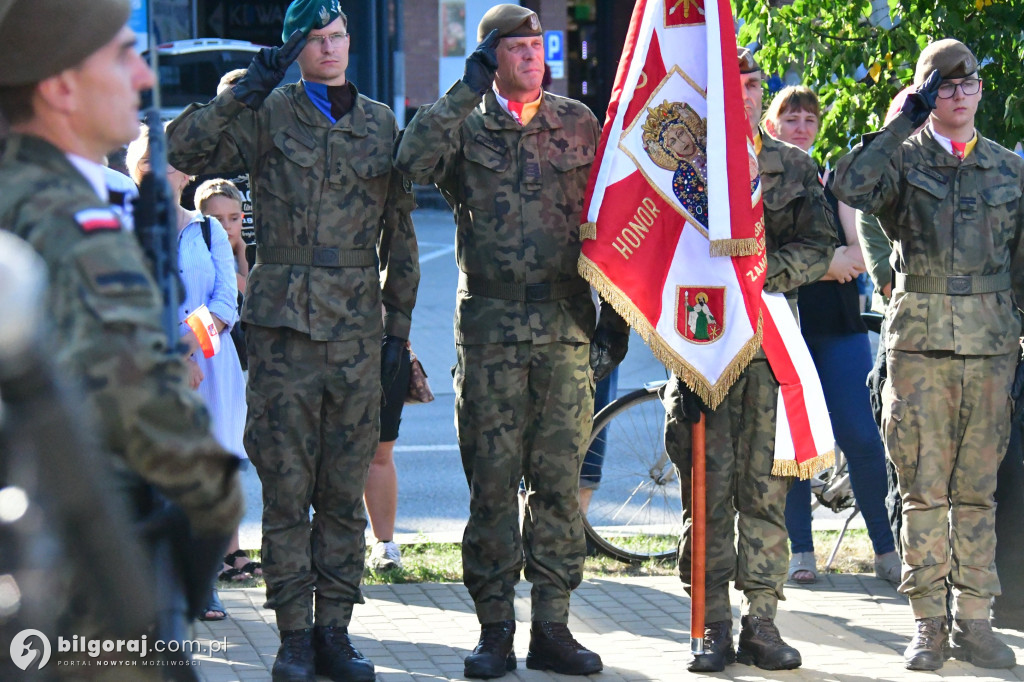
<point>944,217</point>
<point>517,195</point>
<point>313,184</point>
<point>800,232</point>
<point>106,311</point>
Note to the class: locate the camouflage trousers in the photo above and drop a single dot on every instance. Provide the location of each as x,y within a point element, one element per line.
<point>523,411</point>
<point>742,495</point>
<point>311,431</point>
<point>946,427</point>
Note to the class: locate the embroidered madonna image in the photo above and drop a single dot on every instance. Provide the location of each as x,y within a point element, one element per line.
<point>675,137</point>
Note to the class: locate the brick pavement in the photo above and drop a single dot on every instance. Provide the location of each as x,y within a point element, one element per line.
<point>849,628</point>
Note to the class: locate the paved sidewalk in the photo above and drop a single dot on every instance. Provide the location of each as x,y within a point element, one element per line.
<point>851,628</point>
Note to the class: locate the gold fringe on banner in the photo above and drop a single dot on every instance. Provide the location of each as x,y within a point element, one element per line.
<point>735,247</point>
<point>804,470</point>
<point>588,231</point>
<point>712,395</point>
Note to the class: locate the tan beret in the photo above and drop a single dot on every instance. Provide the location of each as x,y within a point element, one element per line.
<point>747,62</point>
<point>952,58</point>
<point>512,21</point>
<point>41,38</point>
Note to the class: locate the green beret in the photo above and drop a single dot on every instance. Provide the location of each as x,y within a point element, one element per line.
<point>41,38</point>
<point>307,15</point>
<point>952,58</point>
<point>747,62</point>
<point>512,21</point>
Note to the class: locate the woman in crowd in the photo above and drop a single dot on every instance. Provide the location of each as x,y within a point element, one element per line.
<point>208,275</point>
<point>838,341</point>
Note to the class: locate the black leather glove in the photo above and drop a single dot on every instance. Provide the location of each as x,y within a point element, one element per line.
<point>919,104</point>
<point>482,64</point>
<point>392,349</point>
<point>691,407</point>
<point>266,71</point>
<point>610,342</point>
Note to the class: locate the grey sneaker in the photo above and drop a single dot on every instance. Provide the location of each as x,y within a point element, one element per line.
<point>385,556</point>
<point>888,567</point>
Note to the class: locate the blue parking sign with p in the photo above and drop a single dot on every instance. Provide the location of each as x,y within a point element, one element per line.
<point>554,46</point>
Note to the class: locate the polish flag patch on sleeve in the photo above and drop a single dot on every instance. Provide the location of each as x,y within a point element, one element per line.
<point>96,219</point>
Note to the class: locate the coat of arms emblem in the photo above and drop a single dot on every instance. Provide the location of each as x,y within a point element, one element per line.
<point>700,313</point>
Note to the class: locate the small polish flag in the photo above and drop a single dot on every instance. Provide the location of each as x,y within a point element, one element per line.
<point>93,219</point>
<point>201,324</point>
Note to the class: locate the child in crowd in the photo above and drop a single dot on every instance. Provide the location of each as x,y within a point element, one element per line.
<point>220,199</point>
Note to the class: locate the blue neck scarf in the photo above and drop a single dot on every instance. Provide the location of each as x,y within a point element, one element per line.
<point>317,93</point>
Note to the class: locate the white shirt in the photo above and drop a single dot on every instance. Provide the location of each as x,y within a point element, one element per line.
<point>94,173</point>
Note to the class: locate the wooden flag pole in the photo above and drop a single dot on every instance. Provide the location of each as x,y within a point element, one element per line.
<point>698,497</point>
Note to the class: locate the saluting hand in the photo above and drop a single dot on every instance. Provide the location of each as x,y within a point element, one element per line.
<point>919,104</point>
<point>266,71</point>
<point>482,64</point>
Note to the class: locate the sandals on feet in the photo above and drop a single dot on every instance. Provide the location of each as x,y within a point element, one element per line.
<point>233,575</point>
<point>215,609</point>
<point>253,568</point>
<point>803,563</point>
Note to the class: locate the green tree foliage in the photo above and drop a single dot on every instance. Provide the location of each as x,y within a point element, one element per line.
<point>825,41</point>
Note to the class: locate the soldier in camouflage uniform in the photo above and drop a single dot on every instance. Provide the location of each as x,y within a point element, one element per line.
<point>513,161</point>
<point>950,201</point>
<point>799,241</point>
<point>67,109</point>
<point>333,231</point>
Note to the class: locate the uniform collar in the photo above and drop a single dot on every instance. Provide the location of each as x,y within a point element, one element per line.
<point>982,155</point>
<point>496,118</point>
<point>39,152</point>
<point>768,158</point>
<point>307,113</point>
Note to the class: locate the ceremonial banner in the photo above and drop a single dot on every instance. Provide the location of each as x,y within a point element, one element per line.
<point>673,231</point>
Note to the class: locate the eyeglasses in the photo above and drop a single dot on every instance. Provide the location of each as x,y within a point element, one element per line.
<point>330,39</point>
<point>969,86</point>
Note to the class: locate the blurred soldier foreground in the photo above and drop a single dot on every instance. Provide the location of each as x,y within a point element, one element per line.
<point>950,202</point>
<point>513,161</point>
<point>67,109</point>
<point>332,231</point>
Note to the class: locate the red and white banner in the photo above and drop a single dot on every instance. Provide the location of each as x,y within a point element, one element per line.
<point>674,233</point>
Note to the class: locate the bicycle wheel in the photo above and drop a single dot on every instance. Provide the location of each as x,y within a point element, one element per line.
<point>635,513</point>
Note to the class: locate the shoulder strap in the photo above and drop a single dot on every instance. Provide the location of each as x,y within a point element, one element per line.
<point>204,225</point>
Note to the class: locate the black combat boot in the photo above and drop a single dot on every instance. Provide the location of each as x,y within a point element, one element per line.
<point>294,661</point>
<point>718,650</point>
<point>763,646</point>
<point>974,641</point>
<point>493,655</point>
<point>552,647</point>
<point>337,659</point>
<point>927,650</point>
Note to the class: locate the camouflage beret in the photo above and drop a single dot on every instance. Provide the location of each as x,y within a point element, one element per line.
<point>747,62</point>
<point>952,58</point>
<point>307,15</point>
<point>512,21</point>
<point>41,38</point>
